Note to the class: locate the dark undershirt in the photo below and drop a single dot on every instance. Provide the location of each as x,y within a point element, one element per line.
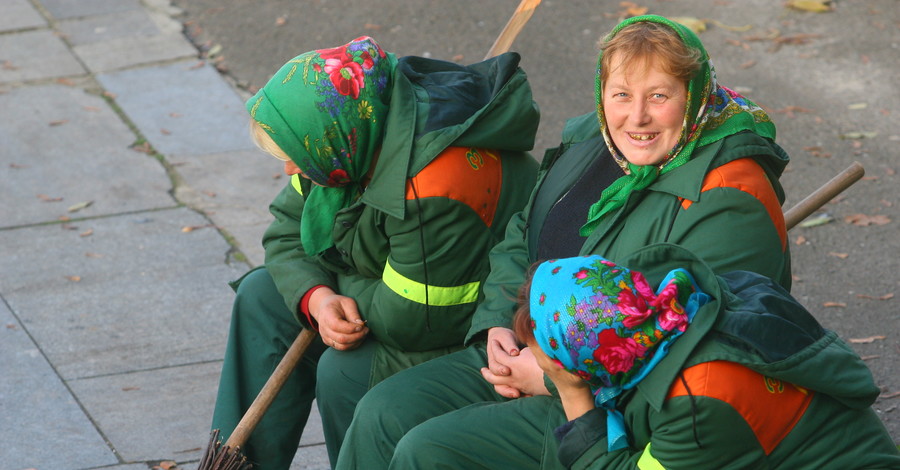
<point>559,236</point>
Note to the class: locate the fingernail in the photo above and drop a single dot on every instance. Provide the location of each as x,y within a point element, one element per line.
<point>513,351</point>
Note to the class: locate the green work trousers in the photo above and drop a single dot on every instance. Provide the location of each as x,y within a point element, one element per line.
<point>262,329</point>
<point>443,414</point>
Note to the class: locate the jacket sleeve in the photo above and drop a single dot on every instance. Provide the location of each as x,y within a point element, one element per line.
<point>293,272</point>
<point>725,441</point>
<point>508,264</point>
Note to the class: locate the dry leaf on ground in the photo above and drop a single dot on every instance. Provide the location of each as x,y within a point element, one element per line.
<point>872,297</point>
<point>870,339</point>
<point>834,304</point>
<point>814,6</point>
<point>864,220</point>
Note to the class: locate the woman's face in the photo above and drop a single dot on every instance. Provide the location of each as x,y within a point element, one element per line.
<point>644,111</point>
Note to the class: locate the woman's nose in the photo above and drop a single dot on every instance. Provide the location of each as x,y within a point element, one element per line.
<point>639,113</point>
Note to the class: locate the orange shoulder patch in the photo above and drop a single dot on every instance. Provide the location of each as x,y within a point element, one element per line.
<point>746,175</point>
<point>771,407</point>
<point>471,176</point>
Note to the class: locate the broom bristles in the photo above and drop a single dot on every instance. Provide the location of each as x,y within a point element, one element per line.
<point>221,457</point>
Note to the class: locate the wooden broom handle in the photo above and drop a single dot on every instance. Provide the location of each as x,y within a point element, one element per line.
<point>513,27</point>
<point>825,193</point>
<point>262,401</point>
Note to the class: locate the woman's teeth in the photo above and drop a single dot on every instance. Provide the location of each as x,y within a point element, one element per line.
<point>641,136</point>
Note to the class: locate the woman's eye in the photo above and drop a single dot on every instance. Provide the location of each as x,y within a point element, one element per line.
<point>658,97</point>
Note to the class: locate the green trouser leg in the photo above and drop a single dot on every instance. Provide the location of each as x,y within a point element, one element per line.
<point>489,436</point>
<point>343,379</point>
<point>262,329</point>
<point>408,398</point>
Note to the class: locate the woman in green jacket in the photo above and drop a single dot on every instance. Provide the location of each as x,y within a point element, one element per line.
<point>669,156</point>
<point>701,372</point>
<point>404,173</point>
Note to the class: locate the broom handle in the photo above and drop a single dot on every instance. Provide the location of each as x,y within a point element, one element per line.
<point>259,406</point>
<point>513,27</point>
<point>273,385</point>
<point>825,193</point>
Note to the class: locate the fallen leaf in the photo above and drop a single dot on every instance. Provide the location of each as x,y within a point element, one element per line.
<point>210,193</point>
<point>800,240</point>
<point>165,131</point>
<point>866,220</point>
<point>197,65</point>
<point>65,81</point>
<point>16,166</point>
<point>191,228</point>
<point>86,233</point>
<point>814,6</point>
<point>740,29</point>
<point>166,465</point>
<point>858,106</point>
<point>175,115</point>
<point>834,304</point>
<point>870,339</point>
<point>372,26</point>
<point>866,358</point>
<point>790,110</point>
<point>79,206</point>
<point>93,255</point>
<point>130,389</point>
<point>280,21</point>
<point>890,395</point>
<point>10,326</point>
<point>694,24</point>
<point>214,51</point>
<point>748,64</point>
<point>883,297</point>
<point>46,198</point>
<point>74,278</point>
<point>838,255</point>
<point>92,109</point>
<point>143,147</point>
<point>7,65</point>
<point>817,152</point>
<point>458,58</point>
<point>633,9</point>
<point>68,227</point>
<point>858,135</point>
<point>109,95</point>
<point>57,122</point>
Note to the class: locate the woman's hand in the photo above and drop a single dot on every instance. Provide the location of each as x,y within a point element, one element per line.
<point>575,393</point>
<point>340,324</point>
<point>513,372</point>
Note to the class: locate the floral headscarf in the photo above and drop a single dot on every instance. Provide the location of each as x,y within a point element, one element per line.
<point>605,324</point>
<point>326,109</point>
<point>712,113</point>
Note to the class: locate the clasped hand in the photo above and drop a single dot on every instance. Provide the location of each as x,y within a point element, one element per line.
<point>340,325</point>
<point>512,371</point>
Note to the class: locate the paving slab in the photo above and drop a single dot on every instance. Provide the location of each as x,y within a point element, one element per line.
<point>118,40</point>
<point>153,415</point>
<point>33,55</point>
<point>61,9</point>
<point>137,293</point>
<point>234,190</point>
<point>43,425</point>
<point>61,146</point>
<point>20,14</point>
<point>183,108</point>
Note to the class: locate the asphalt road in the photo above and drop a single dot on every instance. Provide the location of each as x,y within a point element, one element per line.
<point>829,81</point>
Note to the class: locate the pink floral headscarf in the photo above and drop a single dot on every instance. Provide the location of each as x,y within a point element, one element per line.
<point>607,325</point>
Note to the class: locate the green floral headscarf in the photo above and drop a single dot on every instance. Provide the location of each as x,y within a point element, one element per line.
<point>713,112</point>
<point>326,109</point>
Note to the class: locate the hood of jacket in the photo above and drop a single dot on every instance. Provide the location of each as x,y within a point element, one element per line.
<point>754,322</point>
<point>437,104</point>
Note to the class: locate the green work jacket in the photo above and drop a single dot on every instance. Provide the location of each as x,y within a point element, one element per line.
<point>754,383</point>
<point>412,250</point>
<point>724,205</point>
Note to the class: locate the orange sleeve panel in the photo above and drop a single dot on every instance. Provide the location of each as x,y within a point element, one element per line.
<point>770,407</point>
<point>746,175</point>
<point>471,176</point>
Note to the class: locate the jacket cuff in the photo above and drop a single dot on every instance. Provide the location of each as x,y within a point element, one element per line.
<point>579,435</point>
<point>304,307</point>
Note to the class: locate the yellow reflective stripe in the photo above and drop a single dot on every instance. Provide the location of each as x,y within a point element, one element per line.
<point>648,462</point>
<point>295,182</point>
<point>439,296</point>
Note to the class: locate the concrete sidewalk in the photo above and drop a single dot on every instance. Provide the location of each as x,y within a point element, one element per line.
<point>131,194</point>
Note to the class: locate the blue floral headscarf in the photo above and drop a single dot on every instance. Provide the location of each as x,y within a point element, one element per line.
<point>605,324</point>
<point>326,109</point>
